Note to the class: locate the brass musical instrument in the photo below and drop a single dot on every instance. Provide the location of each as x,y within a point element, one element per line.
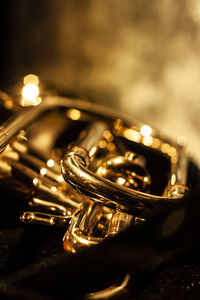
<point>85,167</point>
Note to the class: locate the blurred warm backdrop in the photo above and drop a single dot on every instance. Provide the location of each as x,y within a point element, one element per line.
<point>139,56</point>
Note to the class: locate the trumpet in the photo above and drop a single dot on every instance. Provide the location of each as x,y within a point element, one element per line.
<point>87,168</point>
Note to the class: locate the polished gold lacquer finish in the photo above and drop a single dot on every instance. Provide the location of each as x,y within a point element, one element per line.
<point>103,184</point>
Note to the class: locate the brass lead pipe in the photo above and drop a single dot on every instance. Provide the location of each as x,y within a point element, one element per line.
<point>27,115</point>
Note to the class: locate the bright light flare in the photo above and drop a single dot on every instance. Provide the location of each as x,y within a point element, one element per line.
<point>146,130</point>
<point>54,189</point>
<point>35,181</point>
<point>74,114</point>
<point>121,180</point>
<point>30,92</point>
<point>43,171</point>
<point>31,79</point>
<point>50,163</point>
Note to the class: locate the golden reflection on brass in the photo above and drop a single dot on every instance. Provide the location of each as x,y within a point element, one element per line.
<point>125,172</point>
<point>152,139</point>
<point>156,143</point>
<point>44,219</point>
<point>110,291</point>
<point>147,140</point>
<point>132,135</point>
<point>74,114</point>
<point>108,136</point>
<point>102,144</point>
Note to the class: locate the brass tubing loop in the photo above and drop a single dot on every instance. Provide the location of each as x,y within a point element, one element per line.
<point>97,183</point>
<point>73,164</point>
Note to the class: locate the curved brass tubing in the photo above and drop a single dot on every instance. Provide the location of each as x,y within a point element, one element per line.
<point>111,194</point>
<point>104,205</point>
<point>75,171</point>
<point>93,186</point>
